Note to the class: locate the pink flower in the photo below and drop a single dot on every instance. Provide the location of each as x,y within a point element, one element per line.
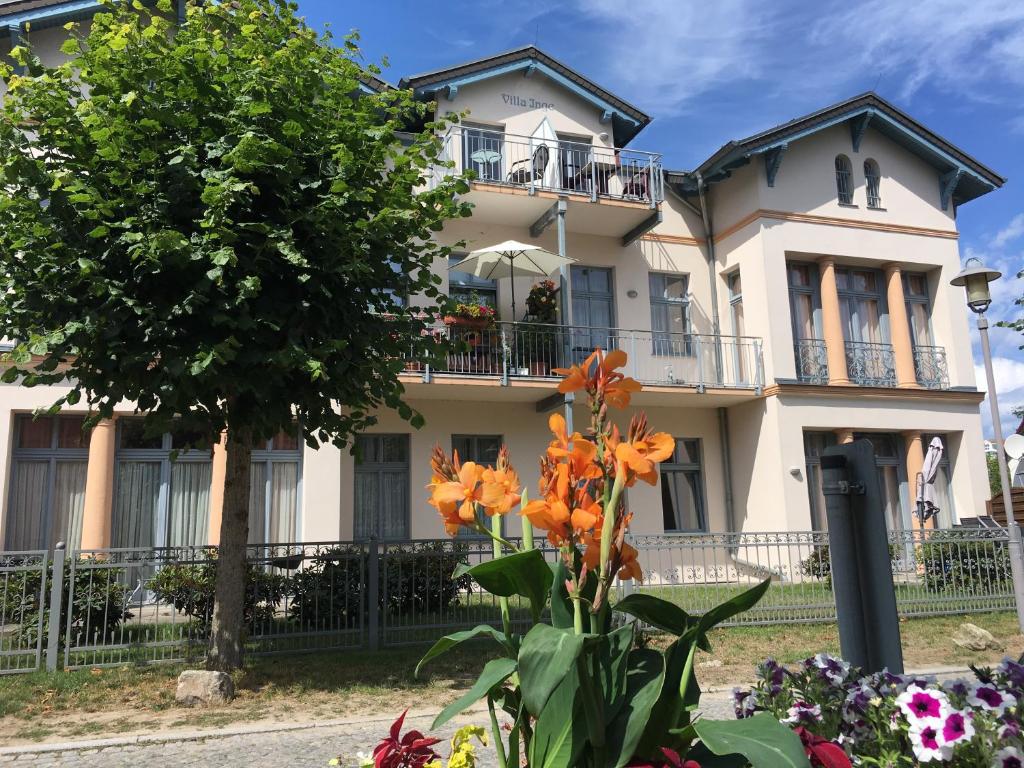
<point>986,696</point>
<point>956,727</point>
<point>926,740</point>
<point>919,703</point>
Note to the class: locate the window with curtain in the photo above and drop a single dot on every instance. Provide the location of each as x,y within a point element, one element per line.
<point>682,488</point>
<point>670,313</point>
<point>738,325</point>
<point>381,506</point>
<point>160,502</point>
<point>873,181</point>
<point>915,292</point>
<point>815,444</point>
<point>890,460</point>
<point>466,288</point>
<point>844,180</point>
<point>274,491</point>
<point>943,482</point>
<point>482,449</point>
<point>49,461</point>
<point>804,301</point>
<point>862,305</point>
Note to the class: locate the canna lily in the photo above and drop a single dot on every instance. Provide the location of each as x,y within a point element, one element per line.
<point>456,490</point>
<point>503,476</point>
<point>642,450</point>
<point>580,455</point>
<point>599,377</point>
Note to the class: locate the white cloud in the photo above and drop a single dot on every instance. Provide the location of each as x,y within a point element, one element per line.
<point>1011,231</point>
<point>1009,376</point>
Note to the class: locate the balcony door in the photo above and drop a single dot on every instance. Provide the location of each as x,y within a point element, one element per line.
<point>593,309</point>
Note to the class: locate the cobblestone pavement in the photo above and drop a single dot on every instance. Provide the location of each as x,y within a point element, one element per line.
<point>299,747</point>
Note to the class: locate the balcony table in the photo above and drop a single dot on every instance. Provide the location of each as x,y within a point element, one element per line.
<point>599,169</point>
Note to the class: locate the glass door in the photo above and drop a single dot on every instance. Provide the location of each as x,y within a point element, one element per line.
<point>593,310</point>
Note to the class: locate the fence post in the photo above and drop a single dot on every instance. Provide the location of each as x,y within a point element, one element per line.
<point>1017,568</point>
<point>56,598</point>
<point>373,594</point>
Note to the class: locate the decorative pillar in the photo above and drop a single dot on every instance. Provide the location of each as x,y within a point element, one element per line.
<point>218,471</point>
<point>832,325</point>
<point>899,329</point>
<point>915,463</point>
<point>99,486</point>
<point>843,435</point>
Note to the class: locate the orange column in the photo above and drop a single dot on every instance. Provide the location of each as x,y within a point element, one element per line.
<point>899,329</point>
<point>832,325</point>
<point>218,471</point>
<point>99,487</point>
<point>915,463</point>
<point>843,436</point>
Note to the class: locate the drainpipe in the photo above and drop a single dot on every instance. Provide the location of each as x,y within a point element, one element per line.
<point>723,434</point>
<point>565,294</point>
<point>709,236</point>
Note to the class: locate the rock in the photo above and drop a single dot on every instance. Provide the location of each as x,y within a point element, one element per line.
<point>197,686</point>
<point>974,638</point>
<point>712,664</point>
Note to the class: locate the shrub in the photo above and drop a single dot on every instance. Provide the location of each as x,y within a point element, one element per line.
<point>100,603</point>
<point>191,588</point>
<point>968,566</point>
<point>819,564</point>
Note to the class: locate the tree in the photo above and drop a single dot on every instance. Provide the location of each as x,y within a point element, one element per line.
<point>211,222</point>
<point>995,484</point>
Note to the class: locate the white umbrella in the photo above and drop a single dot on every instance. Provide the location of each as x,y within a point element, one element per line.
<point>511,259</point>
<point>926,487</point>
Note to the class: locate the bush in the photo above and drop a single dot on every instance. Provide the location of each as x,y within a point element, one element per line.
<point>819,564</point>
<point>414,578</point>
<point>100,603</point>
<point>968,566</point>
<point>191,588</point>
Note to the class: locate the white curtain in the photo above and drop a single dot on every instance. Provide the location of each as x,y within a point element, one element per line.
<point>136,504</point>
<point>26,517</point>
<point>68,503</point>
<point>283,501</point>
<point>258,502</point>
<point>367,504</point>
<point>188,523</point>
<point>382,504</point>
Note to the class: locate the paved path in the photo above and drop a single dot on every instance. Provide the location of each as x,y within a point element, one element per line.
<point>296,746</point>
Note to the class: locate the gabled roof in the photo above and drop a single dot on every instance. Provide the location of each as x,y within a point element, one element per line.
<point>962,177</point>
<point>45,13</point>
<point>626,119</point>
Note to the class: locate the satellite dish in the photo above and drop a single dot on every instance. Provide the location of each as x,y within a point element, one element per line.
<point>1014,446</point>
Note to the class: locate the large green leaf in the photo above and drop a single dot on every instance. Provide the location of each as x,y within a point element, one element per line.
<point>561,605</point>
<point>761,739</point>
<point>659,613</point>
<point>668,713</point>
<point>545,658</point>
<point>612,668</point>
<point>495,672</point>
<point>526,574</point>
<point>560,732</point>
<point>644,679</point>
<point>738,604</point>
<point>446,643</point>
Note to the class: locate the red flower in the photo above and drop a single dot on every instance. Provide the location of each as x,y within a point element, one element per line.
<point>410,751</point>
<point>672,760</point>
<point>822,752</point>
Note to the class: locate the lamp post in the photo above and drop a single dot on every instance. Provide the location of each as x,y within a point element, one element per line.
<point>975,278</point>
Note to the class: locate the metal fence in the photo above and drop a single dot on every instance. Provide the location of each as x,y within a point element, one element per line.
<point>151,605</point>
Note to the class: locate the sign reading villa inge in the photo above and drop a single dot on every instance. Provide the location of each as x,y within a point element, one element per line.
<point>530,103</point>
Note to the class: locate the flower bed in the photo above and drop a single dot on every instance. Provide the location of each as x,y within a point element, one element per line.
<point>844,717</point>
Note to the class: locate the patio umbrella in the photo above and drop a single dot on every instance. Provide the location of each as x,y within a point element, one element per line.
<point>511,259</point>
<point>926,507</point>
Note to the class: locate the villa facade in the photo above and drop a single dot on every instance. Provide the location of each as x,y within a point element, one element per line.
<point>790,292</point>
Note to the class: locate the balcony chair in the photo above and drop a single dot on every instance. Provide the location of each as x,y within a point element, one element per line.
<point>636,185</point>
<point>519,173</point>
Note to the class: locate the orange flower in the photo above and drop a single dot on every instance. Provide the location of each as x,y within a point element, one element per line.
<point>506,478</point>
<point>629,566</point>
<point>623,557</point>
<point>580,456</point>
<point>642,451</point>
<point>599,377</point>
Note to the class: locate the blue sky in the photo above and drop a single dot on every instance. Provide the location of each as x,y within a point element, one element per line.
<point>710,72</point>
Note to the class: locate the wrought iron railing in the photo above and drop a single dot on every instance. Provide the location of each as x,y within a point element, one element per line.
<point>538,162</point>
<point>930,367</point>
<point>811,361</point>
<point>871,364</point>
<point>532,350</point>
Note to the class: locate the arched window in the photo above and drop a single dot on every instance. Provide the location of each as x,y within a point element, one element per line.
<point>872,178</point>
<point>844,179</point>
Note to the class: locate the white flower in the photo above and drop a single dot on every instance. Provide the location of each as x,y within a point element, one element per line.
<point>926,740</point>
<point>834,670</point>
<point>987,696</point>
<point>802,712</point>
<point>1008,757</point>
<point>918,703</point>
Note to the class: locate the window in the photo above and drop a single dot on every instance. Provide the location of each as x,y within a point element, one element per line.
<point>670,314</point>
<point>815,444</point>
<point>943,482</point>
<point>915,292</point>
<point>873,180</point>
<point>274,486</point>
<point>844,180</point>
<point>482,449</point>
<point>682,488</point>
<point>573,158</point>
<point>862,305</point>
<point>48,469</point>
<point>159,502</point>
<point>482,152</point>
<point>892,476</point>
<point>805,316</point>
<point>467,288</point>
<point>382,487</point>
<point>738,327</point>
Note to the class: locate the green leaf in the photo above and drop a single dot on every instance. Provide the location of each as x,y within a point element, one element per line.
<point>659,613</point>
<point>99,231</point>
<point>446,643</point>
<point>645,677</point>
<point>761,739</point>
<point>560,732</point>
<point>545,657</point>
<point>613,666</point>
<point>525,574</point>
<point>495,672</point>
<point>670,709</point>
<point>738,604</point>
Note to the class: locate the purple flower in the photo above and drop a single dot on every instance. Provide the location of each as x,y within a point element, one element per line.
<point>1008,757</point>
<point>857,700</point>
<point>987,696</point>
<point>1013,672</point>
<point>1008,728</point>
<point>802,712</point>
<point>957,726</point>
<point>831,669</point>
<point>920,704</point>
<point>957,687</point>
<point>744,703</point>
<point>926,740</point>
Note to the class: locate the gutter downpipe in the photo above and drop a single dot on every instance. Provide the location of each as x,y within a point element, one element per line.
<point>723,418</point>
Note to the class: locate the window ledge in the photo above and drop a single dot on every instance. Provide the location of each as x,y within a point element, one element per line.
<point>848,205</point>
<point>877,208</point>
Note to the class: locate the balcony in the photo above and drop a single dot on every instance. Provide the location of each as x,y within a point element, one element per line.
<point>930,367</point>
<point>811,361</point>
<point>529,351</point>
<point>871,364</point>
<point>537,169</point>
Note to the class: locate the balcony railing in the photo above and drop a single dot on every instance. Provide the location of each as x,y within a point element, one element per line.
<point>811,361</point>
<point>930,367</point>
<point>530,350</point>
<point>871,364</point>
<point>536,162</point>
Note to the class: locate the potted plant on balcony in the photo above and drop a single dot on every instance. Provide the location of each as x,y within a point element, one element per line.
<point>473,314</point>
<point>537,346</point>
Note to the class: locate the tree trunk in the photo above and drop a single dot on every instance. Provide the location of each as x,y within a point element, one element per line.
<point>228,614</point>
